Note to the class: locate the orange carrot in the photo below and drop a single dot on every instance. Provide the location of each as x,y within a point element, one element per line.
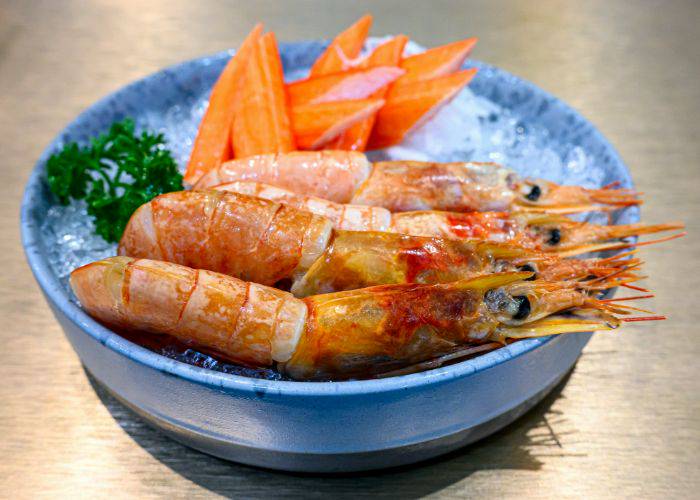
<point>345,46</point>
<point>316,124</point>
<point>407,104</point>
<point>261,122</point>
<point>212,145</point>
<point>355,138</point>
<point>348,85</point>
<point>436,62</point>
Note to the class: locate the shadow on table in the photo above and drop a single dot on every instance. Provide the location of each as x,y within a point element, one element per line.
<point>515,447</point>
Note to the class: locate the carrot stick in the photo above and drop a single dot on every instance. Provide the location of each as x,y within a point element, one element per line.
<point>212,145</point>
<point>348,85</point>
<point>345,46</point>
<point>355,138</point>
<point>316,124</point>
<point>407,104</point>
<point>261,123</point>
<point>436,62</point>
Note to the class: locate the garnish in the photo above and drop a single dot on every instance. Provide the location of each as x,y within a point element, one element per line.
<point>117,173</point>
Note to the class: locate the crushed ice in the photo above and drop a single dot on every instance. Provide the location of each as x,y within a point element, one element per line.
<point>70,238</point>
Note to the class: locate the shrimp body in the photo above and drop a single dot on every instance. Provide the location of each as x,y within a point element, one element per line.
<point>260,240</point>
<point>400,186</point>
<point>541,231</point>
<point>356,333</point>
<point>250,238</point>
<point>334,175</point>
<point>343,216</point>
<point>355,260</point>
<point>247,322</point>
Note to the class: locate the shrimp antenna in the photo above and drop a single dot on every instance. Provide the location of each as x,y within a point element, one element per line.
<point>616,273</point>
<point>623,308</point>
<point>621,299</point>
<point>618,256</point>
<point>644,318</point>
<point>637,288</point>
<point>598,247</point>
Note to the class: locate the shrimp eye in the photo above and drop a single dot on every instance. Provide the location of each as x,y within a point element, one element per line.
<point>524,307</point>
<point>512,307</point>
<point>554,236</point>
<point>534,193</point>
<point>529,268</point>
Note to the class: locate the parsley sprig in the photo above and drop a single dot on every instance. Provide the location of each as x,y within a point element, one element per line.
<point>118,172</point>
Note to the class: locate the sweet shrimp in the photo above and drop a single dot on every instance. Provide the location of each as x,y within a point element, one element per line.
<point>263,241</point>
<point>540,231</point>
<point>355,260</point>
<point>402,186</point>
<point>359,333</point>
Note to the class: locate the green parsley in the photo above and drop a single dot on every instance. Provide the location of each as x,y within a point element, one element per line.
<point>117,173</point>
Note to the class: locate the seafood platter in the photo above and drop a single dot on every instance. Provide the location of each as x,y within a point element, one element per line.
<point>257,249</point>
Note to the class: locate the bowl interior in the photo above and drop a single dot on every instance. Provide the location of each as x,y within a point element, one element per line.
<point>173,100</point>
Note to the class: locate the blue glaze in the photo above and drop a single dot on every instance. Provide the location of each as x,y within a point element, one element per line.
<point>295,425</point>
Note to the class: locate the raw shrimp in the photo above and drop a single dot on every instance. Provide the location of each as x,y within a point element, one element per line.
<point>401,186</point>
<point>355,260</point>
<point>544,232</point>
<point>357,333</point>
<point>262,241</point>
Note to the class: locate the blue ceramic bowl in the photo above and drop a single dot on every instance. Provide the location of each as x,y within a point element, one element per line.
<point>305,426</point>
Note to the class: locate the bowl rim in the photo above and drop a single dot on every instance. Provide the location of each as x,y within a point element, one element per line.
<point>57,296</point>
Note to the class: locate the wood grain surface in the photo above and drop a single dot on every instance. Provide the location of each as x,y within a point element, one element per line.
<point>626,423</point>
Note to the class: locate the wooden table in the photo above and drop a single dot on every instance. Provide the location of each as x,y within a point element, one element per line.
<point>626,422</point>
